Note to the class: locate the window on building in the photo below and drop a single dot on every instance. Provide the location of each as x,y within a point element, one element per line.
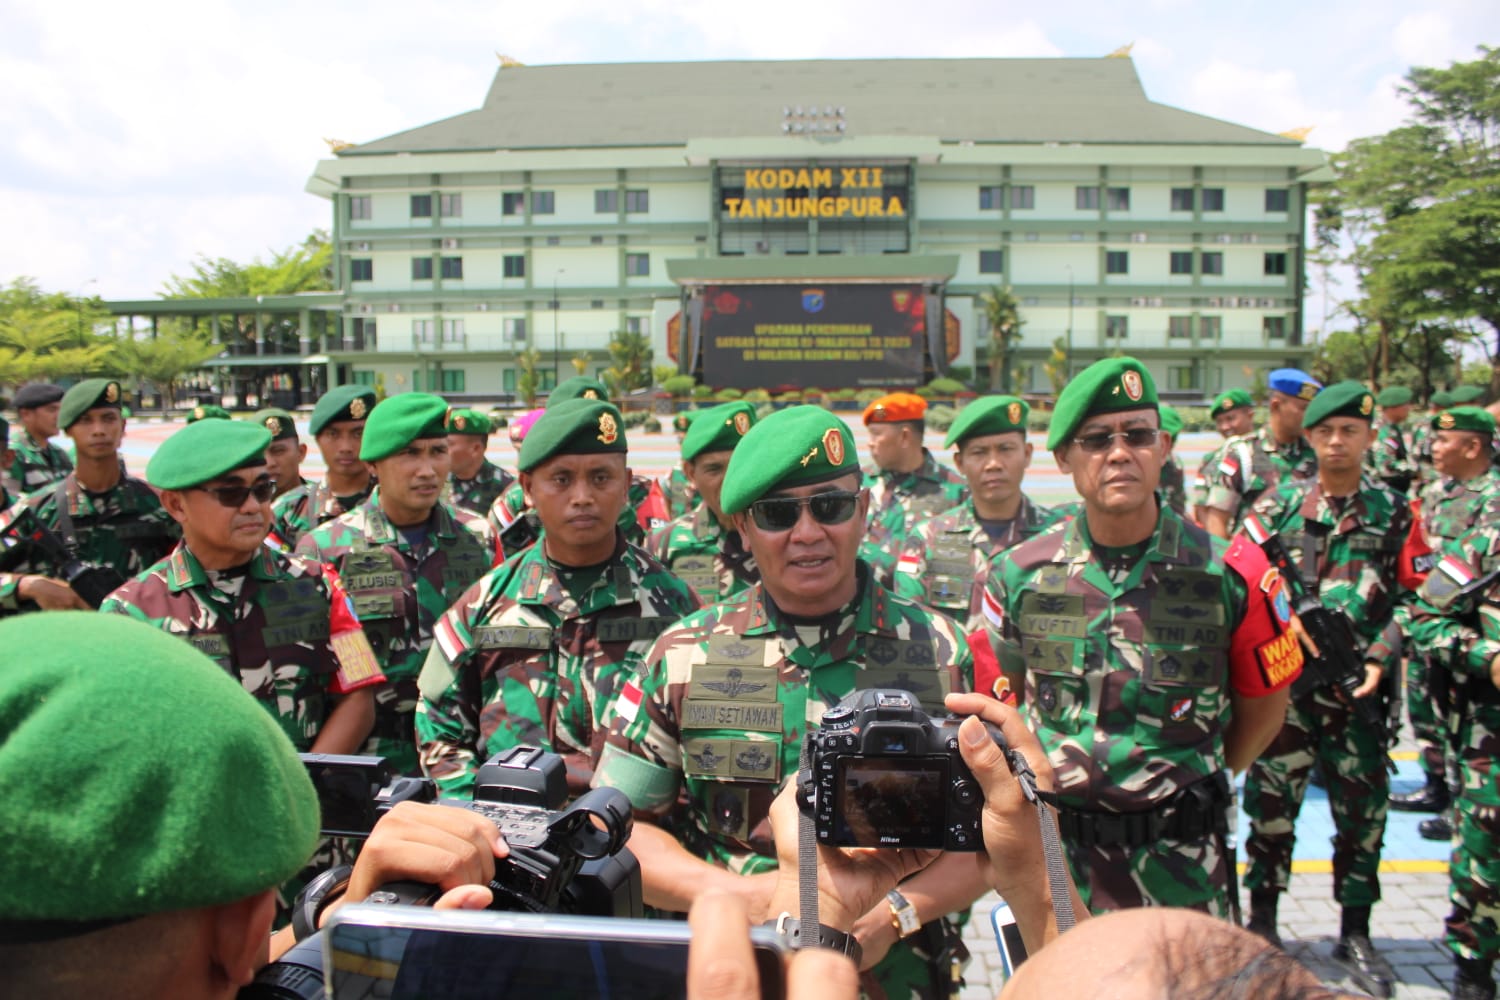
<point>1182,378</point>
<point>359,206</point>
<point>515,328</point>
<point>508,380</point>
<point>1086,199</point>
<point>542,203</point>
<point>1276,263</point>
<point>1116,327</point>
<point>991,261</point>
<point>1278,199</point>
<point>513,203</point>
<point>363,331</point>
<point>637,201</point>
<point>637,265</point>
<point>1182,199</point>
<point>1032,237</point>
<point>596,241</point>
<point>514,265</point>
<point>1117,199</point>
<point>1182,262</point>
<point>1213,199</point>
<point>361,269</point>
<point>451,206</point>
<point>1209,327</point>
<point>362,377</point>
<point>1213,262</point>
<point>635,324</point>
<point>1117,262</point>
<point>453,331</point>
<point>1180,327</point>
<point>607,201</point>
<point>451,381</point>
<point>421,206</point>
<point>421,268</point>
<point>453,267</point>
<point>1022,196</point>
<point>1274,327</point>
<point>989,198</point>
<point>422,331</point>
<point>596,303</point>
<point>553,241</point>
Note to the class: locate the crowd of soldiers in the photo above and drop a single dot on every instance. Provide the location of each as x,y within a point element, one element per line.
<point>676,640</point>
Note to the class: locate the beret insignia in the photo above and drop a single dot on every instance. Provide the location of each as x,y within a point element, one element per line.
<point>590,394</point>
<point>879,412</point>
<point>1132,383</point>
<point>812,453</point>
<point>741,423</point>
<point>1446,421</point>
<point>273,424</point>
<point>1308,391</point>
<point>1226,405</point>
<point>833,445</point>
<point>197,413</point>
<point>1366,405</point>
<point>608,431</point>
<point>112,392</point>
<point>357,408</point>
<point>460,422</point>
<point>1013,411</point>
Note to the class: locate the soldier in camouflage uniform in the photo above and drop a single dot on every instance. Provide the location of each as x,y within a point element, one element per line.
<point>404,557</point>
<point>906,483</point>
<point>946,558</point>
<point>1173,480</point>
<point>1234,416</point>
<point>100,515</point>
<point>1344,532</point>
<point>533,652</point>
<point>278,624</point>
<point>7,459</point>
<point>701,548</point>
<point>475,482</point>
<point>286,451</point>
<point>1257,463</point>
<point>1153,658</point>
<point>678,489</point>
<point>337,425</point>
<point>706,735</point>
<point>1391,460</point>
<point>1457,616</point>
<point>38,461</point>
<point>1421,438</point>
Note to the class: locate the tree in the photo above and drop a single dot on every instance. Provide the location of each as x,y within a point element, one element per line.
<point>529,381</point>
<point>1056,366</point>
<point>49,335</point>
<point>1002,315</point>
<point>164,359</point>
<point>581,363</point>
<point>631,354</point>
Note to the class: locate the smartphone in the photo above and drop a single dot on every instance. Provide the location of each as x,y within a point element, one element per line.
<point>1008,937</point>
<point>414,953</point>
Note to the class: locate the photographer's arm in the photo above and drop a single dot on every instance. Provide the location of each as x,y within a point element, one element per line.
<point>945,886</point>
<point>48,594</point>
<point>672,878</point>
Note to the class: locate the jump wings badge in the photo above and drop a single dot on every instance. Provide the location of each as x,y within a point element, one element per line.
<point>734,684</point>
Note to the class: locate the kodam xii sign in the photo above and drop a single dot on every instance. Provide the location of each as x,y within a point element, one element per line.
<point>786,193</point>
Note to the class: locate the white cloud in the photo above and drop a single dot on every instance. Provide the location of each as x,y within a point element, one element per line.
<point>1426,39</point>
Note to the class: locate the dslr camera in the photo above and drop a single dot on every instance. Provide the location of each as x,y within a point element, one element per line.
<point>885,774</point>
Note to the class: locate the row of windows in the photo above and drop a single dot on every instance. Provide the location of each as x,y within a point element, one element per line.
<point>1181,327</point>
<point>363,331</point>
<point>1117,199</point>
<point>1118,262</point>
<point>451,206</point>
<point>637,265</point>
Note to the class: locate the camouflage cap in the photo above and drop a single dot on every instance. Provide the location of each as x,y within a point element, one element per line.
<point>35,394</point>
<point>400,420</point>
<point>577,387</point>
<point>470,422</point>
<point>1342,399</point>
<point>797,446</point>
<point>1393,395</point>
<point>206,450</point>
<point>576,427</point>
<point>1442,399</point>
<point>988,415</point>
<point>87,395</point>
<point>1171,420</point>
<point>1234,399</point>
<point>1112,385</point>
<point>207,411</point>
<point>279,422</point>
<point>719,428</point>
<point>1466,394</point>
<point>1475,419</point>
<point>345,402</point>
<point>1293,382</point>
<point>168,785</point>
<point>895,408</point>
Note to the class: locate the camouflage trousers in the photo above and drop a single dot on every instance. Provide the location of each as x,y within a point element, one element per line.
<point>1320,729</point>
<point>1427,725</point>
<point>1473,924</point>
<point>1193,874</point>
<point>909,969</point>
<point>395,734</point>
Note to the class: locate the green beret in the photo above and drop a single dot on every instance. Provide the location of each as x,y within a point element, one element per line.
<point>718,428</point>
<point>278,422</point>
<point>1234,399</point>
<point>86,395</point>
<point>683,420</point>
<point>574,427</point>
<point>400,420</point>
<point>988,415</point>
<point>470,422</point>
<point>797,446</point>
<point>1393,395</point>
<point>345,402</point>
<point>145,767</point>
<point>1112,385</point>
<point>577,387</point>
<point>207,411</point>
<point>1465,418</point>
<point>1342,399</point>
<point>1171,420</point>
<point>206,450</point>
<point>1442,399</point>
<point>1466,394</point>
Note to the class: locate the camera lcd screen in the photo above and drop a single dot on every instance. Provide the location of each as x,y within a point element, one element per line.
<point>346,792</point>
<point>890,801</point>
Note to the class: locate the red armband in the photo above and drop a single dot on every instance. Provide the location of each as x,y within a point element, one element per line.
<point>358,667</point>
<point>1417,558</point>
<point>1264,654</point>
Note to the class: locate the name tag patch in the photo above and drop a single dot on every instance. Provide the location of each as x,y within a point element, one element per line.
<point>750,717</point>
<point>512,637</point>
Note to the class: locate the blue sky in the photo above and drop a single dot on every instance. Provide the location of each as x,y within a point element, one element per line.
<point>140,135</point>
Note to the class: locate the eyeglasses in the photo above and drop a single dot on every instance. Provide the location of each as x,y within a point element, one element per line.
<point>1136,437</point>
<point>781,513</point>
<point>234,496</point>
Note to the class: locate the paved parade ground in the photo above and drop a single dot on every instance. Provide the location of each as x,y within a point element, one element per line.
<point>1407,924</point>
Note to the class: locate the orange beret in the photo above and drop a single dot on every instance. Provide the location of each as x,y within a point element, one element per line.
<point>896,407</point>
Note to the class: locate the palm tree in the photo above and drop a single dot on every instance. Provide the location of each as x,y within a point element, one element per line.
<point>1002,314</point>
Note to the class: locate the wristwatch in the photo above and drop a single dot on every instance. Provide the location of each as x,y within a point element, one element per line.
<point>842,942</point>
<point>903,915</point>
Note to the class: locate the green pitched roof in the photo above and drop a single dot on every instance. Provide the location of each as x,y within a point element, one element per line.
<point>954,100</point>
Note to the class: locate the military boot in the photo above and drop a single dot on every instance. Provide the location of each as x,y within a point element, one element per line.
<point>1263,915</point>
<point>1430,798</point>
<point>1437,828</point>
<point>1358,956</point>
<point>1473,980</point>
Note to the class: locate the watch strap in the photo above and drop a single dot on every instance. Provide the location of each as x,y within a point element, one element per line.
<point>310,900</point>
<point>842,942</point>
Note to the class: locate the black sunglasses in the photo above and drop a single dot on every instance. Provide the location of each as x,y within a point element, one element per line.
<point>781,513</point>
<point>234,496</point>
<point>1136,437</point>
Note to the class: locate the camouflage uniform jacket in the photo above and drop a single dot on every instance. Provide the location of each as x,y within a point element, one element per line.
<point>517,526</point>
<point>292,512</point>
<point>521,658</point>
<point>1421,450</point>
<point>1173,486</point>
<point>946,558</point>
<point>898,500</point>
<point>124,528</point>
<point>1451,508</point>
<point>1197,491</point>
<point>1454,614</point>
<point>700,553</point>
<point>280,635</point>
<point>479,494</point>
<point>400,590</point>
<point>1128,674</point>
<point>682,496</point>
<point>1391,459</point>
<point>729,692</point>
<point>36,465</point>
<point>1253,464</point>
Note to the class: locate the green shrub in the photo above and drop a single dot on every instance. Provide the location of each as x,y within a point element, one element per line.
<point>940,418</point>
<point>757,396</point>
<point>865,396</point>
<point>841,394</point>
<point>651,425</point>
<point>791,396</point>
<point>679,385</point>
<point>728,395</point>
<point>945,386</point>
<point>703,392</point>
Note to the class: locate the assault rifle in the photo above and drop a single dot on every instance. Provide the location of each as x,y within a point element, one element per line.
<point>90,581</point>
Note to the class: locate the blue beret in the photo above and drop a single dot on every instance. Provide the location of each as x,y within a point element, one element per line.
<point>1293,382</point>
